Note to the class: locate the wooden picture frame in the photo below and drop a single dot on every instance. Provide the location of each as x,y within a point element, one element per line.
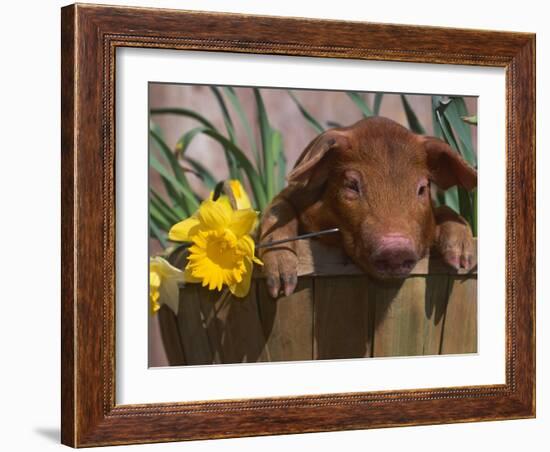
<point>90,37</point>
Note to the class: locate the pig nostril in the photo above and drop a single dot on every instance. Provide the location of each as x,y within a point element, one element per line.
<point>394,261</point>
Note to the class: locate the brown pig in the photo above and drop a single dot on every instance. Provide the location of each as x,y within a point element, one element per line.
<point>371,181</point>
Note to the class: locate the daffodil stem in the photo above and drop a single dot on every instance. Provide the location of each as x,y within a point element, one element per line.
<point>298,237</point>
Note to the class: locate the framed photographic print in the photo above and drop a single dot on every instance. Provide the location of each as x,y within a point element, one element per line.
<point>282,225</point>
<point>406,308</point>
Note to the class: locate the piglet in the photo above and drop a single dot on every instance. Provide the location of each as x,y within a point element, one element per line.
<point>372,181</point>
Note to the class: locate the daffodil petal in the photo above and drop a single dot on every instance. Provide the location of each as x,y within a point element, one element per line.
<point>214,215</point>
<point>242,288</point>
<point>163,284</point>
<point>154,265</point>
<point>237,276</point>
<point>154,303</point>
<point>154,279</point>
<point>243,222</point>
<point>188,276</point>
<point>169,271</point>
<point>239,194</point>
<point>224,199</point>
<point>246,245</point>
<point>184,230</point>
<point>169,294</point>
<point>199,239</point>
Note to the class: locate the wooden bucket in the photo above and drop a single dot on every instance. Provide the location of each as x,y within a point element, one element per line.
<point>336,312</point>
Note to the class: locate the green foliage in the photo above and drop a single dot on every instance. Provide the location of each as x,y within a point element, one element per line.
<point>307,115</point>
<point>360,103</point>
<point>263,174</point>
<point>449,126</point>
<point>412,119</point>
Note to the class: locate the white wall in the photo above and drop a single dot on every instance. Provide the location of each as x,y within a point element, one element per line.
<point>29,388</point>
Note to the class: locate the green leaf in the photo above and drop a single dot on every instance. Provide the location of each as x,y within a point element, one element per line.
<point>231,163</point>
<point>156,128</point>
<point>157,233</point>
<point>175,196</point>
<point>307,115</point>
<point>169,213</point>
<point>189,199</point>
<point>252,175</point>
<point>234,99</point>
<point>472,120</point>
<point>439,198</point>
<point>412,119</point>
<point>188,195</point>
<point>451,199</point>
<point>466,206</point>
<point>361,104</point>
<point>202,172</point>
<point>277,150</point>
<point>437,128</point>
<point>457,198</point>
<point>453,112</point>
<point>267,151</point>
<point>281,170</point>
<point>185,140</point>
<point>204,175</point>
<point>245,164</point>
<point>377,103</point>
<point>225,113</point>
<point>158,216</point>
<point>183,112</point>
<point>332,124</point>
<point>445,127</point>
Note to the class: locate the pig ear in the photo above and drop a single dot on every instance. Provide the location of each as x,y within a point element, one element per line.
<point>447,167</point>
<point>309,161</point>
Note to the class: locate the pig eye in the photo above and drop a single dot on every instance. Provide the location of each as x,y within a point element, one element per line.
<point>423,188</point>
<point>351,185</point>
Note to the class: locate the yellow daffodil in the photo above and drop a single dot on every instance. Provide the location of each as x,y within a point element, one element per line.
<point>163,284</point>
<point>241,198</point>
<point>222,251</point>
<point>154,291</point>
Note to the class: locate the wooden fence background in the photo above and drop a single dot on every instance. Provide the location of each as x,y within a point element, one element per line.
<point>336,312</point>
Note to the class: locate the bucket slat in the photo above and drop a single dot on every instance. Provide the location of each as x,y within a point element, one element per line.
<point>191,325</point>
<point>437,294</point>
<point>233,327</point>
<point>399,317</point>
<point>288,322</point>
<point>171,336</point>
<point>343,320</point>
<point>460,329</point>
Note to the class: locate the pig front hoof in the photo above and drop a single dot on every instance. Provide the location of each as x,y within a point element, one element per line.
<point>456,245</point>
<point>280,270</point>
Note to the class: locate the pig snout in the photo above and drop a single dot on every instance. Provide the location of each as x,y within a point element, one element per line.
<point>394,256</point>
